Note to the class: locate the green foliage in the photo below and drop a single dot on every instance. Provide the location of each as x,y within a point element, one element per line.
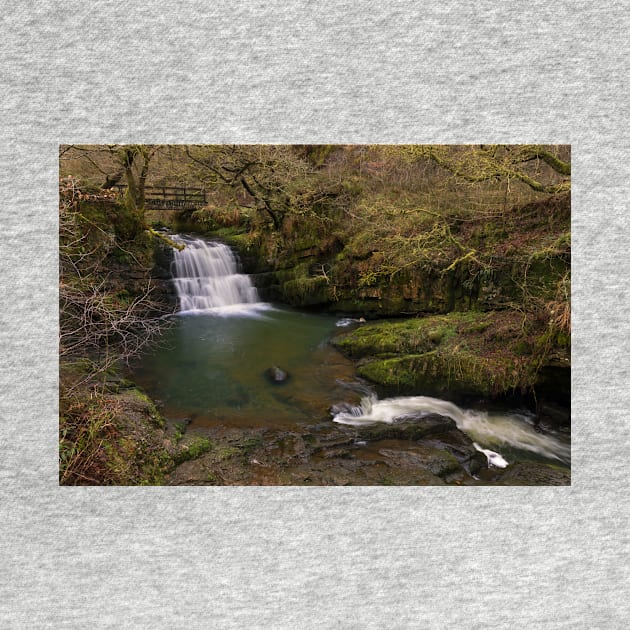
<point>194,449</point>
<point>316,154</point>
<point>475,224</point>
<point>97,448</point>
<point>476,164</point>
<point>178,432</point>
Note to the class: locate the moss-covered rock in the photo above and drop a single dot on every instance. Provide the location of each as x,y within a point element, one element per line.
<point>300,285</point>
<point>471,353</point>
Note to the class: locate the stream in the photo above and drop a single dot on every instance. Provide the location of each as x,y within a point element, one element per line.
<point>211,370</point>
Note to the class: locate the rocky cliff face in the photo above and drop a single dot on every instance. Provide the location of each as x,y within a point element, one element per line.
<point>480,265</point>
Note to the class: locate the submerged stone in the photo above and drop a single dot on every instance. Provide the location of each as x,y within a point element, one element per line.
<point>276,374</point>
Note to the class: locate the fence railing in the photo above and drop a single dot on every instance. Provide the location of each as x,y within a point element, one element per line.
<point>170,197</point>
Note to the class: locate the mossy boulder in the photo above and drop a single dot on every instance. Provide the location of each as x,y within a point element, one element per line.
<point>469,353</point>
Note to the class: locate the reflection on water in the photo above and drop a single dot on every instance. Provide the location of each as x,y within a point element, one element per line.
<point>212,369</point>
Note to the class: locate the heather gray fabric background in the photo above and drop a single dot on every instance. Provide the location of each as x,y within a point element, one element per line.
<point>329,71</point>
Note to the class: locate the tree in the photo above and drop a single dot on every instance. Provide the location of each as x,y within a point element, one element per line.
<point>500,162</point>
<point>135,160</point>
<point>274,181</point>
<point>261,172</point>
<point>97,325</point>
<point>117,163</point>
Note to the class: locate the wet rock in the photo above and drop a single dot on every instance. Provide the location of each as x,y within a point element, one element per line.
<point>344,407</point>
<point>409,429</point>
<point>552,417</point>
<point>276,374</point>
<point>342,453</point>
<point>438,434</point>
<point>536,474</point>
<point>458,444</point>
<point>391,476</point>
<point>345,472</point>
<point>438,462</point>
<point>331,444</point>
<point>287,447</point>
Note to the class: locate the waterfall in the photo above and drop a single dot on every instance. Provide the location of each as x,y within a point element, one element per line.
<point>207,279</point>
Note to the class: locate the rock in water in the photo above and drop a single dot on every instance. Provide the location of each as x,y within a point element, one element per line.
<point>347,408</point>
<point>276,374</point>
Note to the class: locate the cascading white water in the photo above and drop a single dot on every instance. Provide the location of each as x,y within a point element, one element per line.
<point>497,430</point>
<point>206,279</point>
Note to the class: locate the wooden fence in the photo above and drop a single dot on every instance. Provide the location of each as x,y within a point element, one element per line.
<point>170,197</point>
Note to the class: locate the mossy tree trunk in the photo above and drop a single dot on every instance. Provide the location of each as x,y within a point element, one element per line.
<point>135,161</point>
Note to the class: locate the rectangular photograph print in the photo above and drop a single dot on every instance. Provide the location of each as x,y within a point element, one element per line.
<point>315,315</point>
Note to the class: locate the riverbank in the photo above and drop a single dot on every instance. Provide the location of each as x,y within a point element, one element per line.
<point>263,432</point>
<point>111,433</point>
<point>117,435</point>
<point>114,300</point>
<point>426,451</point>
<point>487,355</point>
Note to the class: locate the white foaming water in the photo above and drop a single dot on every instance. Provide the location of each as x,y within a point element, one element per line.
<point>511,430</point>
<point>207,280</point>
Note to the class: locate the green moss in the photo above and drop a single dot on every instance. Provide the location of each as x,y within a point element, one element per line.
<point>522,348</point>
<point>408,336</point>
<point>306,291</point>
<point>156,417</point>
<point>298,287</point>
<point>400,373</point>
<point>194,449</point>
<point>563,339</point>
<point>178,432</point>
<point>154,470</point>
<point>227,452</point>
<point>108,439</point>
<point>372,339</point>
<point>468,353</point>
<point>454,371</point>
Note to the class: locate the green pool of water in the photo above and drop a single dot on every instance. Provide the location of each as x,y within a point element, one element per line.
<point>211,368</point>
